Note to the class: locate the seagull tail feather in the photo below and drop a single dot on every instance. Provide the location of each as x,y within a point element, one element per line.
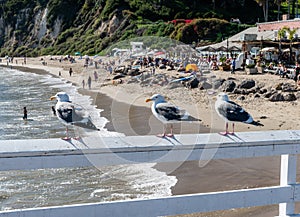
<point>88,125</point>
<point>256,123</point>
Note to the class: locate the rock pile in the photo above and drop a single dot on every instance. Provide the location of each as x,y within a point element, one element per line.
<point>278,92</point>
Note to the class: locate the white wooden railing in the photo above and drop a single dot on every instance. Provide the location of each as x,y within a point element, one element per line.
<point>56,153</point>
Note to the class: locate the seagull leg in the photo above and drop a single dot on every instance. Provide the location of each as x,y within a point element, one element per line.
<point>171,132</point>
<point>162,135</point>
<point>232,133</point>
<point>226,131</point>
<point>67,135</point>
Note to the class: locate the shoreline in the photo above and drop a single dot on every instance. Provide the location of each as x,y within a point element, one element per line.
<point>215,176</point>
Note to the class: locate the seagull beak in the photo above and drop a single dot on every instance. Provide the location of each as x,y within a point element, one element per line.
<point>52,97</point>
<point>148,100</point>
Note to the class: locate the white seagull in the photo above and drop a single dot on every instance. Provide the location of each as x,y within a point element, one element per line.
<point>231,112</point>
<point>167,113</point>
<point>71,114</point>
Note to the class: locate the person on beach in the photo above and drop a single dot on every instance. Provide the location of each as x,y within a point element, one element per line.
<point>90,82</point>
<point>70,72</point>
<point>25,113</point>
<point>153,70</point>
<point>95,75</point>
<point>284,72</point>
<point>297,73</point>
<point>110,69</point>
<point>83,84</point>
<point>233,66</point>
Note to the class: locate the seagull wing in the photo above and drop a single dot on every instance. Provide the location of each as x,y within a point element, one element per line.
<point>74,114</point>
<point>64,112</point>
<point>233,112</point>
<point>169,111</point>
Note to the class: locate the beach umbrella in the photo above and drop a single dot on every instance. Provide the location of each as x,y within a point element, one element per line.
<point>77,53</point>
<point>191,67</point>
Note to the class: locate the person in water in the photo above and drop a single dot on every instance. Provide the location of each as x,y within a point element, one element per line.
<point>25,114</point>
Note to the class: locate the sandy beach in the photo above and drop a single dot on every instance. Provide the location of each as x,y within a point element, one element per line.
<point>125,107</point>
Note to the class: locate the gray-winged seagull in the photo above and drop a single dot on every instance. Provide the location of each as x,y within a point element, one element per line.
<point>71,114</point>
<point>168,113</point>
<point>231,112</point>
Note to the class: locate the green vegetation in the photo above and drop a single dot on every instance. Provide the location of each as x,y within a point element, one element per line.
<point>90,26</point>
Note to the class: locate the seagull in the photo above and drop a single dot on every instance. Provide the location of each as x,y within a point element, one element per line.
<point>232,112</point>
<point>167,113</point>
<point>71,114</point>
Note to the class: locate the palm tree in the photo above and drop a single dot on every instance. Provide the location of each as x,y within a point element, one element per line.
<point>291,33</point>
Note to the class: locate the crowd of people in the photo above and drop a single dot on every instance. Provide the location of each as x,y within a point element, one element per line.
<point>150,63</point>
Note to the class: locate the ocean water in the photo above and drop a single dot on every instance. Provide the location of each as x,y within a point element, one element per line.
<point>47,187</point>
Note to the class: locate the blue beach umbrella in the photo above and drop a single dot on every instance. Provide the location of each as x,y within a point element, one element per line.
<point>77,53</point>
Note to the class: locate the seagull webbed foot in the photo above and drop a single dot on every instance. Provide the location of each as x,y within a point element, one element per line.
<point>171,135</point>
<point>224,133</point>
<point>66,138</point>
<point>161,135</point>
<point>77,138</point>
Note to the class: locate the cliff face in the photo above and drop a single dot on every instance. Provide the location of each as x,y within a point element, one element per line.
<point>45,24</point>
<point>40,27</point>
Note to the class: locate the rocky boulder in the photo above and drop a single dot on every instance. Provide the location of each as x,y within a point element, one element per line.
<point>217,83</point>
<point>241,98</point>
<point>290,97</point>
<point>275,97</point>
<point>228,86</point>
<point>162,66</point>
<point>134,72</point>
<point>278,86</point>
<point>247,84</point>
<point>287,87</point>
<point>263,91</point>
<point>192,83</point>
<point>205,85</point>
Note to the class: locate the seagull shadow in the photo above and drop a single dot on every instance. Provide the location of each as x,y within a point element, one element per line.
<point>175,139</point>
<point>82,142</point>
<point>71,142</point>
<point>168,139</point>
<point>236,136</point>
<point>232,136</point>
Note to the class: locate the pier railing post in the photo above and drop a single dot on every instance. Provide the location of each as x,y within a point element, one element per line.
<point>288,173</point>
